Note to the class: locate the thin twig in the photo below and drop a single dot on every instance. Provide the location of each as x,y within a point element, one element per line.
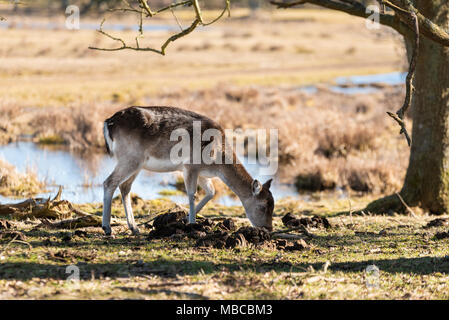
<point>176,19</point>
<point>406,206</point>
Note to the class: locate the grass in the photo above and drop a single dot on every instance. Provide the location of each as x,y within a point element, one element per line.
<point>343,141</point>
<point>169,192</point>
<point>69,73</point>
<point>19,185</point>
<point>243,74</point>
<point>413,265</point>
<point>51,140</point>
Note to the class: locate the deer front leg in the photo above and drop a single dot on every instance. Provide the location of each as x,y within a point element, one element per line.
<point>125,189</point>
<point>208,187</point>
<point>191,182</point>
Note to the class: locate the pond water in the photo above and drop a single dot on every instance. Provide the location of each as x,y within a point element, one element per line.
<point>82,178</point>
<point>361,84</point>
<point>365,84</point>
<point>393,78</point>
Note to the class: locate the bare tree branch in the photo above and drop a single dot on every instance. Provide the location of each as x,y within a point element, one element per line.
<point>399,116</point>
<point>401,18</point>
<point>348,6</point>
<point>426,26</point>
<point>145,10</point>
<point>161,51</point>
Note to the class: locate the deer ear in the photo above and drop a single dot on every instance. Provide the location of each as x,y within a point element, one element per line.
<point>267,184</point>
<point>256,187</point>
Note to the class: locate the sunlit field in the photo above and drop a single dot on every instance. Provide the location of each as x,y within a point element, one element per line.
<point>284,69</point>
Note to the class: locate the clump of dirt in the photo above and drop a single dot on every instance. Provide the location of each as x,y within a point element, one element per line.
<point>80,233</point>
<point>217,239</point>
<point>227,224</point>
<point>174,224</point>
<point>243,237</point>
<point>442,235</point>
<point>440,222</point>
<point>167,219</point>
<point>253,235</point>
<point>67,237</point>
<point>291,221</point>
<point>297,245</point>
<point>206,232</point>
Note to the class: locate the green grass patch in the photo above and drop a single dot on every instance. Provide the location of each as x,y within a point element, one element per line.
<point>412,263</point>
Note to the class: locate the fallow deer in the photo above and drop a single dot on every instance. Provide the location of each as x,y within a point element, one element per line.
<point>140,138</point>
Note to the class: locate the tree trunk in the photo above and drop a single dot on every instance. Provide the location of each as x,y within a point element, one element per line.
<point>427,180</point>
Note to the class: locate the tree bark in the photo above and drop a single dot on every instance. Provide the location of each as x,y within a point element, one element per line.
<point>427,180</point>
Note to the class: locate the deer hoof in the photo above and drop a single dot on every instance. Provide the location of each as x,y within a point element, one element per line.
<point>107,230</point>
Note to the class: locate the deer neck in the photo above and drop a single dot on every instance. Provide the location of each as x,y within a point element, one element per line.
<point>238,180</point>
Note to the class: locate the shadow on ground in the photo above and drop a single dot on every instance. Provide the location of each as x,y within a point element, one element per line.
<point>165,268</point>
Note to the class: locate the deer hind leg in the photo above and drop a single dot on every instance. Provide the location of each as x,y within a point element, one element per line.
<point>207,185</point>
<point>191,182</point>
<point>121,173</point>
<point>125,189</point>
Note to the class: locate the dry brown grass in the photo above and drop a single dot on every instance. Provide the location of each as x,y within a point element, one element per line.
<point>79,128</point>
<point>326,139</point>
<point>244,74</point>
<point>333,139</point>
<point>15,184</point>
